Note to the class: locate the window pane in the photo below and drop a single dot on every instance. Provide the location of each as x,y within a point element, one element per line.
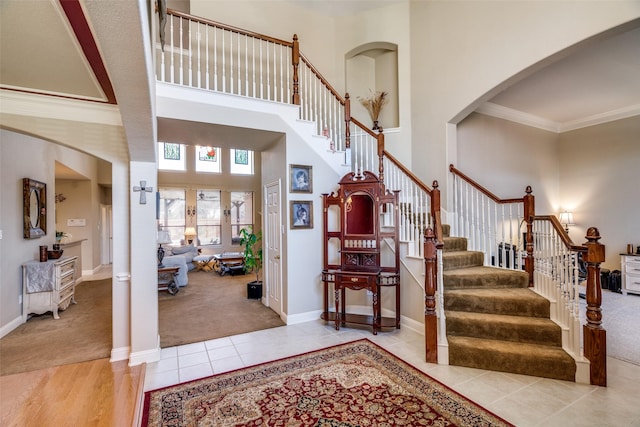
<point>241,213</point>
<point>208,217</point>
<point>172,213</point>
<point>171,156</point>
<point>208,159</point>
<point>241,162</point>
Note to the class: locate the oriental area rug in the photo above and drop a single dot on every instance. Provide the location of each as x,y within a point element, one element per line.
<point>353,384</point>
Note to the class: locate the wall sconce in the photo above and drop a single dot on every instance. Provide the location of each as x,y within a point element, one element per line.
<point>60,198</point>
<point>566,219</point>
<point>227,213</point>
<point>191,211</point>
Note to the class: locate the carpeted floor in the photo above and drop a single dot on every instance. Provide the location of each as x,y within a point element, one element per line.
<point>353,384</point>
<point>209,307</point>
<point>82,333</point>
<point>621,320</point>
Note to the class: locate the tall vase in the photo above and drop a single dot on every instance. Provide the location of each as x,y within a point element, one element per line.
<point>375,125</point>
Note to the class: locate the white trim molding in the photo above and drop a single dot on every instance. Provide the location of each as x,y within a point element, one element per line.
<point>501,112</point>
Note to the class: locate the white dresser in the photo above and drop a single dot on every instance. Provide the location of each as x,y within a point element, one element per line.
<point>48,286</point>
<point>630,269</point>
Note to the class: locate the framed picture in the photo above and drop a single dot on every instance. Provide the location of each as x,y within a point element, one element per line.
<point>301,214</point>
<point>300,179</point>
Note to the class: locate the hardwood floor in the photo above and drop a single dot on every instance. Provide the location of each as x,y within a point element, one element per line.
<point>94,393</point>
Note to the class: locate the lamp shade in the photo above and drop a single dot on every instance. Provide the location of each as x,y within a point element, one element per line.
<point>163,237</point>
<point>566,218</point>
<point>189,232</point>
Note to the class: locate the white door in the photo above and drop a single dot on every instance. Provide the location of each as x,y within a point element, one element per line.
<point>272,243</point>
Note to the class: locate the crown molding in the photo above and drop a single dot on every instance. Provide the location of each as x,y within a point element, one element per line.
<point>495,110</point>
<point>52,107</point>
<point>596,119</point>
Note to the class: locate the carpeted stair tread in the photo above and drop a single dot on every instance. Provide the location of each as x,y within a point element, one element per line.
<point>519,358</point>
<point>461,259</point>
<point>512,301</point>
<point>454,244</point>
<point>484,277</point>
<point>532,330</point>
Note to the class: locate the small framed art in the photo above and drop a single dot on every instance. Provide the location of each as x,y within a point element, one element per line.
<point>301,214</point>
<point>300,179</point>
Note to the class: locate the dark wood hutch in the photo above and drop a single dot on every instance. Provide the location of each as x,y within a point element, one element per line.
<point>358,220</point>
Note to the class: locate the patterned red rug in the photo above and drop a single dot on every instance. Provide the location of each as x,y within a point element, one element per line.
<point>354,384</point>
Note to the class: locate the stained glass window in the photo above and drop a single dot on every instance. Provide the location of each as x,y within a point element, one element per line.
<point>171,151</point>
<point>171,156</point>
<point>241,162</point>
<point>242,157</point>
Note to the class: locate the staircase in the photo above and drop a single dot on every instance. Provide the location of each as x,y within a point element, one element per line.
<point>494,321</point>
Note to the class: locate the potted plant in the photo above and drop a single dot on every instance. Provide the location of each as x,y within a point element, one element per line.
<point>252,244</point>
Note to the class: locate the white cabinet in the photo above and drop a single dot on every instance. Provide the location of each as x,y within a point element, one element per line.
<point>630,270</point>
<point>48,286</point>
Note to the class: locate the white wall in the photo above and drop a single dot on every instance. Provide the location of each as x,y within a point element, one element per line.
<point>599,183</point>
<point>463,51</point>
<point>506,157</point>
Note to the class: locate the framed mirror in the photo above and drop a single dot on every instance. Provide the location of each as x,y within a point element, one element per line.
<point>34,208</point>
<point>359,216</point>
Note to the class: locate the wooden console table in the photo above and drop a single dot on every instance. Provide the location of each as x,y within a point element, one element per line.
<point>370,281</point>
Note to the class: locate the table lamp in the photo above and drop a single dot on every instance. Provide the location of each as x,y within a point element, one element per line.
<point>189,234</point>
<point>163,238</point>
<point>566,219</point>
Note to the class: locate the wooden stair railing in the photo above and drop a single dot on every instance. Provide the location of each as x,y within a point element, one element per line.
<point>493,225</point>
<point>552,262</point>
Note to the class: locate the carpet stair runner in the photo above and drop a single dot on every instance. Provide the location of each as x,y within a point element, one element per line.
<point>495,322</point>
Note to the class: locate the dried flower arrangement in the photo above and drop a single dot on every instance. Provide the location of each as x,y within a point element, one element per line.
<point>374,105</point>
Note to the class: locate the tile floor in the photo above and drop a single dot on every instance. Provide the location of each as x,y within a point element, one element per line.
<point>521,400</point>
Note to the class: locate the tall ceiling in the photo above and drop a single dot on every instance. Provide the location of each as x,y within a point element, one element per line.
<point>596,84</point>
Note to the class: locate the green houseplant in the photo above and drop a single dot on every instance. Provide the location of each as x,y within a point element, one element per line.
<point>252,244</point>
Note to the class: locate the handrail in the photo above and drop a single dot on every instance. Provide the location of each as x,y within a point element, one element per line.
<point>480,188</point>
<point>228,27</point>
<point>562,233</point>
<point>407,172</point>
<point>324,81</point>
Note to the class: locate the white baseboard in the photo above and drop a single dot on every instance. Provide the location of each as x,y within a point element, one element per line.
<point>583,371</point>
<point>295,319</point>
<point>413,325</point>
<point>145,356</point>
<point>121,353</point>
<point>10,326</point>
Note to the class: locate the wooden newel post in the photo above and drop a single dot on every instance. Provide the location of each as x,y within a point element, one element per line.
<point>430,285</point>
<point>295,61</point>
<point>595,337</point>
<point>381,153</point>
<point>347,121</point>
<point>529,213</point>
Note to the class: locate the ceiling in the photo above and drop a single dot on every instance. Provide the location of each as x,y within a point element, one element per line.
<point>596,84</point>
